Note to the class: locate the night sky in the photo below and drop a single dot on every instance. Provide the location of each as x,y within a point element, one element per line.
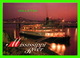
<point>67,11</point>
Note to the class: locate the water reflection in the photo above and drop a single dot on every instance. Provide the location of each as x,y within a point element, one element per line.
<point>58,48</point>
<point>63,49</point>
<point>53,46</point>
<point>68,31</point>
<point>72,49</point>
<point>75,35</point>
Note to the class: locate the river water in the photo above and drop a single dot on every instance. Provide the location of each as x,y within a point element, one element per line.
<point>72,49</point>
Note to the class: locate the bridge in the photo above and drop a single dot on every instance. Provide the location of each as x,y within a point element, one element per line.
<point>21,20</point>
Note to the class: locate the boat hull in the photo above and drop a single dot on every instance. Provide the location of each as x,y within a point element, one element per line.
<point>62,40</point>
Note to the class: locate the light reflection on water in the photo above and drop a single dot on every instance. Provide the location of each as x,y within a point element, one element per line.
<point>62,49</point>
<point>72,49</point>
<point>68,31</point>
<point>58,48</point>
<point>75,35</point>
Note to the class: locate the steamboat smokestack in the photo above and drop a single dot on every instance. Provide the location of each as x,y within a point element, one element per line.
<point>47,20</point>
